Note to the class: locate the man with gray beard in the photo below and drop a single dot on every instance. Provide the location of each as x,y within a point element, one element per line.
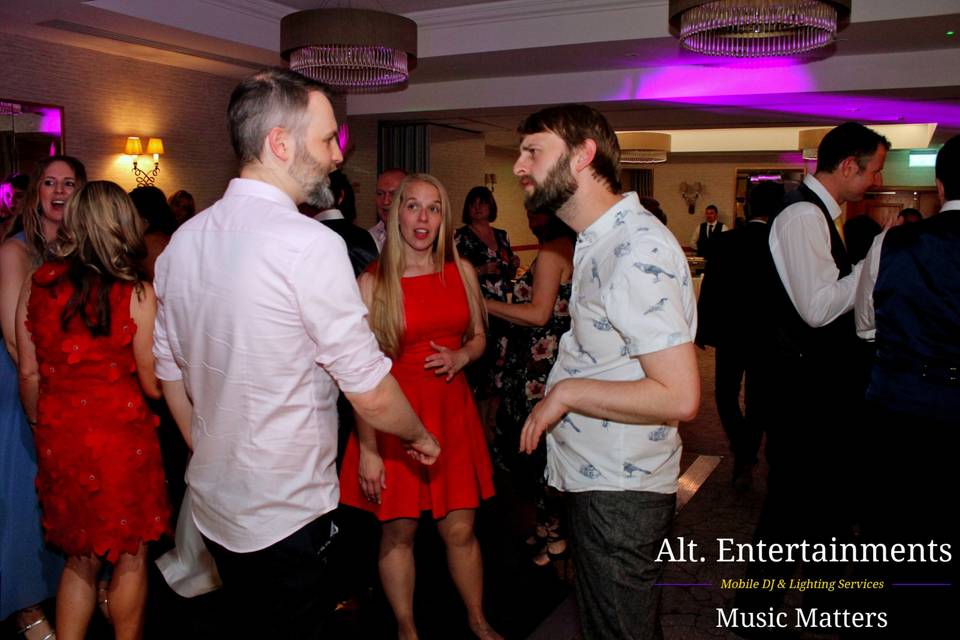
<point>259,321</point>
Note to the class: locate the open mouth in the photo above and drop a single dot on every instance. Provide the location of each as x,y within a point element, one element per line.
<point>421,234</point>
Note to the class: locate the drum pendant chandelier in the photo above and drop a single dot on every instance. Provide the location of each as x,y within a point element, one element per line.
<point>757,28</point>
<point>350,50</point>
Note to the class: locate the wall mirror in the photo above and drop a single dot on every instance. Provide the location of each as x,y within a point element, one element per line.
<point>29,132</point>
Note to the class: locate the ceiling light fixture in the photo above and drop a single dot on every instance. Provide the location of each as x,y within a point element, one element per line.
<point>350,50</point>
<point>643,147</point>
<point>757,28</point>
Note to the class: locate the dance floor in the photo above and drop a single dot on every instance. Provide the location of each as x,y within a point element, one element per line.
<point>522,600</point>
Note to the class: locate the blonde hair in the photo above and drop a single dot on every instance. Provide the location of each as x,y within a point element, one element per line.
<point>386,310</point>
<point>37,245</point>
<point>101,240</point>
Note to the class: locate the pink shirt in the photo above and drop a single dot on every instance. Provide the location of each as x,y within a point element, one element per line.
<point>261,316</point>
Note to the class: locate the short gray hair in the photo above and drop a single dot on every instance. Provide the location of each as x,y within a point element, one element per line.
<point>270,98</point>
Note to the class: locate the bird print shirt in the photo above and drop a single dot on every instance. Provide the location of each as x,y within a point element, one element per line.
<point>631,296</point>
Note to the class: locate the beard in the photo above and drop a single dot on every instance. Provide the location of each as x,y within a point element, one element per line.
<point>316,187</point>
<point>557,188</point>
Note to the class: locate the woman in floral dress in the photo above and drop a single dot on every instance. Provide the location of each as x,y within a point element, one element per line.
<point>539,316</point>
<point>488,250</point>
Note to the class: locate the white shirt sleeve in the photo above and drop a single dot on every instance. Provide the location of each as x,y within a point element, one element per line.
<point>863,304</point>
<point>800,245</point>
<point>335,317</point>
<point>165,365</point>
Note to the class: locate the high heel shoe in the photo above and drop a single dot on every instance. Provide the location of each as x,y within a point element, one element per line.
<point>553,547</point>
<point>39,629</point>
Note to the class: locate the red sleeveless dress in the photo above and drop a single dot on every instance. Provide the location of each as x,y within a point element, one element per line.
<point>435,309</point>
<point>100,476</point>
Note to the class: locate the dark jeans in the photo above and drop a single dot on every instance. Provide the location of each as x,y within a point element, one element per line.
<point>282,591</point>
<point>616,537</point>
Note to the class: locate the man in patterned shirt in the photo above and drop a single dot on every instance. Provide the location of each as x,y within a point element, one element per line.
<point>625,375</point>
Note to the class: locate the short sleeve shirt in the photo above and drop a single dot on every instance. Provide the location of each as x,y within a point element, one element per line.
<point>631,296</point>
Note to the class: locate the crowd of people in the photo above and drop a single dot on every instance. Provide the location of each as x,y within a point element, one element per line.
<point>311,366</point>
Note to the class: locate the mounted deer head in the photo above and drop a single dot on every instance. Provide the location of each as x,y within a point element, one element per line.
<point>690,192</point>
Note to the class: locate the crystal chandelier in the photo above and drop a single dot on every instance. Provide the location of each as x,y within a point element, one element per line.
<point>351,50</point>
<point>757,28</point>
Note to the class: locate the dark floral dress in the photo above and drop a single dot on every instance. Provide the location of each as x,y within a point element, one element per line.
<point>100,477</point>
<point>484,373</point>
<point>529,355</point>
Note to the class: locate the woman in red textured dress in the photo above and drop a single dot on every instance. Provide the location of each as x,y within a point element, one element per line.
<point>84,337</point>
<point>427,314</point>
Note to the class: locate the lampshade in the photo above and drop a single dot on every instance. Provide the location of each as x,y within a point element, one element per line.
<point>643,147</point>
<point>155,146</point>
<point>757,28</point>
<point>133,146</point>
<point>351,50</point>
<point>808,140</point>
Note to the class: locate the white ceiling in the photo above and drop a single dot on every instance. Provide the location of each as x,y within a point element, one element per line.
<point>484,64</point>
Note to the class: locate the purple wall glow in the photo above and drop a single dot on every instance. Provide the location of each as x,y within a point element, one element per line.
<point>50,121</point>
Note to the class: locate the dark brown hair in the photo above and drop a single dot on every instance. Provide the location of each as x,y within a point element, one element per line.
<point>575,124</point>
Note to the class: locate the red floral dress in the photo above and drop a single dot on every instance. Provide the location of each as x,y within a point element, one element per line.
<point>100,476</point>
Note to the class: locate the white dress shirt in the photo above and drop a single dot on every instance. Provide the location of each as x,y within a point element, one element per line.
<point>631,295</point>
<point>863,306</point>
<point>379,233</point>
<point>800,245</point>
<point>253,296</point>
<point>329,214</point>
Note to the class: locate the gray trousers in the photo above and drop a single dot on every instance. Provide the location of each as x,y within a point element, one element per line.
<point>616,537</point>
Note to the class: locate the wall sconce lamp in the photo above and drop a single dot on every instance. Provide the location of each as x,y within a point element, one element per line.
<point>490,181</point>
<point>135,148</point>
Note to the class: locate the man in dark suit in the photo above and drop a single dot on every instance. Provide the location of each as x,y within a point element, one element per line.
<point>732,318</point>
<point>361,248</point>
<point>707,231</point>
<point>908,298</point>
<point>812,359</point>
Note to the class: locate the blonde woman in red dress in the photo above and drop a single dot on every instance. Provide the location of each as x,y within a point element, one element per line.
<point>84,338</point>
<point>427,313</point>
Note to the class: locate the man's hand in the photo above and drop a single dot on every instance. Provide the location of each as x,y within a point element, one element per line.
<point>424,449</point>
<point>545,415</point>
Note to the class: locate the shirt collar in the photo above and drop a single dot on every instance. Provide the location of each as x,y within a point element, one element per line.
<point>628,202</point>
<point>329,214</point>
<point>817,187</point>
<point>951,205</point>
<point>245,187</point>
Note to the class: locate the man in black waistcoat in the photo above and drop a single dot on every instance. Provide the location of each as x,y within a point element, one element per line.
<point>734,318</point>
<point>707,231</point>
<point>812,359</point>
<point>908,299</point>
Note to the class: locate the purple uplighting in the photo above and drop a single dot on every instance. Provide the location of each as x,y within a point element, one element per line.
<point>343,135</point>
<point>691,83</point>
<point>833,106</point>
<point>50,121</point>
